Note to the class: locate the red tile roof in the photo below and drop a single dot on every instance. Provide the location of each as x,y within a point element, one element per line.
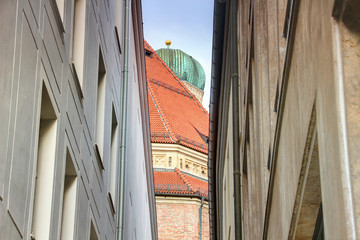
<point>176,116</point>
<point>177,182</point>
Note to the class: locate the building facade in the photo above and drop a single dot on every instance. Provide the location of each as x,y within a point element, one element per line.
<point>179,126</point>
<point>72,83</point>
<point>283,155</point>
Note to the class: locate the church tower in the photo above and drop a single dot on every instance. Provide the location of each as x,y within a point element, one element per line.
<point>186,68</point>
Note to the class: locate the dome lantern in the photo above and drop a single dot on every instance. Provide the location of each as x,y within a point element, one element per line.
<point>168,43</point>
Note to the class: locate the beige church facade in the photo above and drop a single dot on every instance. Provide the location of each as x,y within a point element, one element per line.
<point>186,159</point>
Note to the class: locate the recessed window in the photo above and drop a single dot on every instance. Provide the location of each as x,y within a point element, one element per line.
<point>93,234</point>
<point>181,164</point>
<point>69,200</point>
<point>78,46</point>
<point>170,161</point>
<point>44,169</point>
<point>113,158</point>
<point>100,106</point>
<point>60,5</point>
<point>117,39</point>
<point>148,53</point>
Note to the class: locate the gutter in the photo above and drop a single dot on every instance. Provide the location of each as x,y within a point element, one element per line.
<point>217,53</point>
<point>235,114</point>
<point>195,195</point>
<point>122,160</point>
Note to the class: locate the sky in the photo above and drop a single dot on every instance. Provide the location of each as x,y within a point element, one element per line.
<point>188,24</point>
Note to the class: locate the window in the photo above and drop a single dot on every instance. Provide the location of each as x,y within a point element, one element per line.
<point>117,39</point>
<point>203,172</point>
<point>60,6</point>
<point>113,159</point>
<point>148,53</point>
<point>180,163</point>
<point>170,161</point>
<point>69,200</point>
<point>44,169</point>
<point>93,234</point>
<point>100,108</point>
<point>78,46</point>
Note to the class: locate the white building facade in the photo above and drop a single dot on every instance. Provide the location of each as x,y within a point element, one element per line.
<point>74,138</point>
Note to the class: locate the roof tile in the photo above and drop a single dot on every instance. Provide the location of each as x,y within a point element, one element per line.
<point>177,182</point>
<point>176,116</point>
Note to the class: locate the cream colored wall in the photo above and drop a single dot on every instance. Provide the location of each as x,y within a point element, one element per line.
<point>196,161</point>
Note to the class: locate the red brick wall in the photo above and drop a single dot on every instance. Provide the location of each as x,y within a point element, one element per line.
<point>180,219</point>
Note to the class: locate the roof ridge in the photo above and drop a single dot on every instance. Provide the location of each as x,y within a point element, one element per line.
<point>148,46</point>
<point>162,115</point>
<point>185,180</point>
<point>177,79</point>
<point>171,88</point>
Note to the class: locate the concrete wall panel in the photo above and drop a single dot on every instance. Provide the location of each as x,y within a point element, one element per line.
<point>7,24</point>
<point>24,140</point>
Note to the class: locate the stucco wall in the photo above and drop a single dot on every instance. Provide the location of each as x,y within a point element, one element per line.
<point>137,221</point>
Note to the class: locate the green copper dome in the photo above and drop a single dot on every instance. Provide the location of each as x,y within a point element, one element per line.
<point>184,66</point>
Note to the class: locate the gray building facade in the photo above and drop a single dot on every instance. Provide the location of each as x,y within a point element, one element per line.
<point>74,128</point>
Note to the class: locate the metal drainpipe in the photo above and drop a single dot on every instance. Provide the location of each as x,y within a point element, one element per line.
<point>235,103</point>
<point>200,218</point>
<point>125,77</point>
<point>216,73</point>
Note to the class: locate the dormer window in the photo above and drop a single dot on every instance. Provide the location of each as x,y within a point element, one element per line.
<point>148,53</point>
